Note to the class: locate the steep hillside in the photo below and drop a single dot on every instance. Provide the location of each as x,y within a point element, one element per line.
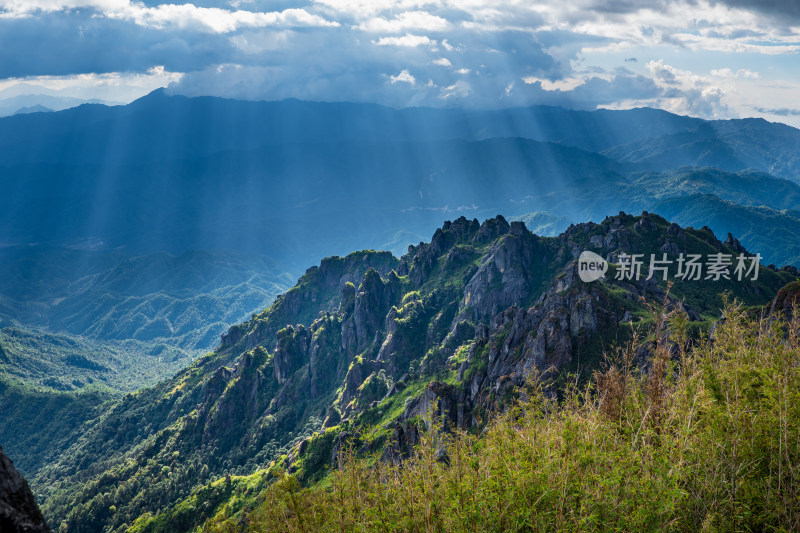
<point>684,442</point>
<point>362,347</point>
<point>67,362</point>
<point>38,423</point>
<point>758,227</point>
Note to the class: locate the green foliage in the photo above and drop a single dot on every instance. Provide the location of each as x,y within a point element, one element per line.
<point>65,362</point>
<point>37,422</point>
<point>221,498</point>
<point>374,387</point>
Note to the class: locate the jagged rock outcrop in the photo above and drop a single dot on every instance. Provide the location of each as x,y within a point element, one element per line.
<point>786,301</point>
<point>734,244</point>
<point>505,277</point>
<point>291,351</point>
<point>18,510</point>
<point>319,289</point>
<point>372,302</point>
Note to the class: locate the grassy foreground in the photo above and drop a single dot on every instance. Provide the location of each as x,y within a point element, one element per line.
<point>707,439</point>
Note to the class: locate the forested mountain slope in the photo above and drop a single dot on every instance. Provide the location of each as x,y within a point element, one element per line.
<point>371,341</point>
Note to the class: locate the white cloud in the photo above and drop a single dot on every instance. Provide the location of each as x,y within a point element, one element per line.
<point>442,62</point>
<point>367,8</point>
<point>181,16</point>
<point>407,40</point>
<point>459,89</point>
<point>666,74</point>
<point>403,77</point>
<point>566,84</point>
<point>409,20</point>
<point>111,86</point>
<point>214,20</point>
<point>688,93</point>
<point>729,73</point>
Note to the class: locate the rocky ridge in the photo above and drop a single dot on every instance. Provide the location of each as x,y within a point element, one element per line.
<point>455,328</point>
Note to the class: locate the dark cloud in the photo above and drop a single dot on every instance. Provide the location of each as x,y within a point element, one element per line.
<point>77,43</point>
<point>781,111</point>
<point>625,6</point>
<point>480,59</point>
<point>779,9</point>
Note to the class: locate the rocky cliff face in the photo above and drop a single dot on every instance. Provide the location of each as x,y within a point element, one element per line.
<point>18,510</point>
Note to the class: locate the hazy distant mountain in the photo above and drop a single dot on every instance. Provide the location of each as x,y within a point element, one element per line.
<point>726,144</point>
<point>758,209</point>
<point>294,201</point>
<point>38,108</point>
<point>300,180</point>
<point>20,104</point>
<point>71,318</point>
<point>762,228</point>
<point>158,127</point>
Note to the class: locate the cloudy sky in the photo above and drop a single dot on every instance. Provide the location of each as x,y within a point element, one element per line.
<point>713,59</point>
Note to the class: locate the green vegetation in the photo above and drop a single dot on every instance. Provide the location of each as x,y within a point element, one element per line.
<point>706,440</point>
<point>63,362</point>
<point>37,423</point>
<point>72,318</point>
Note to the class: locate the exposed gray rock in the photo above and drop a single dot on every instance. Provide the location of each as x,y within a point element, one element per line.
<point>372,302</point>
<point>786,301</point>
<point>503,278</point>
<point>734,243</point>
<point>18,510</point>
<point>291,351</point>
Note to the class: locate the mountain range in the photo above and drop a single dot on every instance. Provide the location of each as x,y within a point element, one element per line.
<point>358,350</point>
<point>158,366</point>
<point>147,229</point>
<point>234,175</point>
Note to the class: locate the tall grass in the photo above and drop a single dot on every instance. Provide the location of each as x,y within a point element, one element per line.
<point>706,439</point>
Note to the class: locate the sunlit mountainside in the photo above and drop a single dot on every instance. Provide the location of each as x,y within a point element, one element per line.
<point>399,266</point>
